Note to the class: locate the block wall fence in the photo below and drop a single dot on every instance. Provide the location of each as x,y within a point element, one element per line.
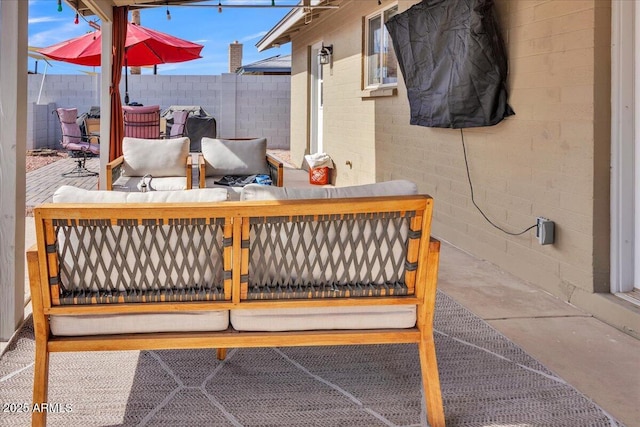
<point>243,105</point>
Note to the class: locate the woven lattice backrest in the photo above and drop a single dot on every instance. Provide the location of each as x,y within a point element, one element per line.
<point>136,261</point>
<point>329,256</point>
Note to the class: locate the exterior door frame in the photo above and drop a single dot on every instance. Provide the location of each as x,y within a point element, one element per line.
<point>315,100</point>
<point>625,91</point>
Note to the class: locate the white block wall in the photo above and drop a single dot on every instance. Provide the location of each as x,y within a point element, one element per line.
<point>243,105</point>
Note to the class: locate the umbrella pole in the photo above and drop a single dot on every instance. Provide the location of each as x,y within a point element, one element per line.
<point>126,83</point>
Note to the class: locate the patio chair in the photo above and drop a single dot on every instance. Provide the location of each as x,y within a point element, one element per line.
<point>151,164</point>
<point>179,125</point>
<point>78,145</point>
<point>236,159</point>
<point>142,122</point>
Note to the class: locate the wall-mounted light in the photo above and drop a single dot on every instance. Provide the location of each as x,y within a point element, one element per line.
<point>325,54</point>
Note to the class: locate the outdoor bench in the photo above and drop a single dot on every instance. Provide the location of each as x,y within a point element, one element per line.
<point>186,270</point>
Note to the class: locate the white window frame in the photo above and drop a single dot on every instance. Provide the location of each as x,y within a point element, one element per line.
<point>372,85</point>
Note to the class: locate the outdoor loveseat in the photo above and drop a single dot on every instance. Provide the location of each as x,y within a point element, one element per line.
<point>280,267</point>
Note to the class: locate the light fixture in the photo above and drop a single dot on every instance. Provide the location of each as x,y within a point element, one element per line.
<point>379,2</point>
<point>168,14</point>
<point>59,5</point>
<point>76,20</point>
<point>325,54</point>
<point>219,7</point>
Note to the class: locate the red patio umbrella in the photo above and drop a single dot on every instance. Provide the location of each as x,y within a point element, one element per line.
<point>143,46</point>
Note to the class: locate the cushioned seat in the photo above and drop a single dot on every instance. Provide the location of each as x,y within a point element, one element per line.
<point>109,324</point>
<point>214,320</point>
<point>165,165</point>
<point>236,157</point>
<point>77,144</point>
<point>308,318</point>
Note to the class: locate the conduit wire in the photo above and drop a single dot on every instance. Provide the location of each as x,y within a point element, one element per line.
<point>466,163</point>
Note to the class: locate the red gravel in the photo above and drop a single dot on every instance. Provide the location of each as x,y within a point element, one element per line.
<point>37,160</point>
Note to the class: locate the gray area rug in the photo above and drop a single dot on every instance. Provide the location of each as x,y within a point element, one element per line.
<point>486,381</point>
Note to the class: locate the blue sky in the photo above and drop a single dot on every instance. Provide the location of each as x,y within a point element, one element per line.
<point>205,26</point>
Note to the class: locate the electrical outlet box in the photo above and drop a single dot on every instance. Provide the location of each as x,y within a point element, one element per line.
<point>545,231</point>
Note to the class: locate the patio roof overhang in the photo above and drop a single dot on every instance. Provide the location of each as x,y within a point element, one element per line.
<point>293,22</point>
<point>101,8</point>
<point>300,15</point>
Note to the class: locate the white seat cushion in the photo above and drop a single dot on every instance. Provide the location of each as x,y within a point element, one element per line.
<point>234,192</point>
<point>70,194</point>
<point>158,157</point>
<point>156,183</point>
<point>217,320</point>
<point>324,318</point>
<point>387,188</point>
<point>232,157</point>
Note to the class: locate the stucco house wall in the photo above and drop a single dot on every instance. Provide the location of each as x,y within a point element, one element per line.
<point>551,159</point>
<point>349,123</point>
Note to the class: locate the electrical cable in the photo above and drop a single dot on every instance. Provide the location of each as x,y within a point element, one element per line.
<point>466,163</point>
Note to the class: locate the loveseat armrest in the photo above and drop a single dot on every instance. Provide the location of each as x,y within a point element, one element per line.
<point>276,170</point>
<point>114,171</point>
<point>189,172</point>
<point>202,171</point>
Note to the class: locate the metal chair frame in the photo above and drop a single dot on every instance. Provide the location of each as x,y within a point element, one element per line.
<point>77,144</point>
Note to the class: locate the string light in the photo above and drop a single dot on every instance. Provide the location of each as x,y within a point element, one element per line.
<point>219,7</point>
<point>59,5</point>
<point>273,2</point>
<point>168,15</point>
<point>76,21</point>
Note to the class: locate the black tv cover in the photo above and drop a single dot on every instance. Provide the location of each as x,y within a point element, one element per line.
<point>453,61</point>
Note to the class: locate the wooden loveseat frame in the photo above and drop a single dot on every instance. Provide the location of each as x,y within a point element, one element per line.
<point>64,282</point>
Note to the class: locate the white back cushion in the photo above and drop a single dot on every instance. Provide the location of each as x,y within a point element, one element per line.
<point>158,157</point>
<point>388,188</point>
<point>229,157</point>
<point>70,194</point>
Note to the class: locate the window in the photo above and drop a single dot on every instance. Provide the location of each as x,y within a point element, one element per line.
<point>381,62</point>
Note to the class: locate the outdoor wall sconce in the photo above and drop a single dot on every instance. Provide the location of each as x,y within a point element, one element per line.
<point>325,55</point>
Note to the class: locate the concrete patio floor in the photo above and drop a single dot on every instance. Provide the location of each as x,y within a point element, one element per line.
<point>600,361</point>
